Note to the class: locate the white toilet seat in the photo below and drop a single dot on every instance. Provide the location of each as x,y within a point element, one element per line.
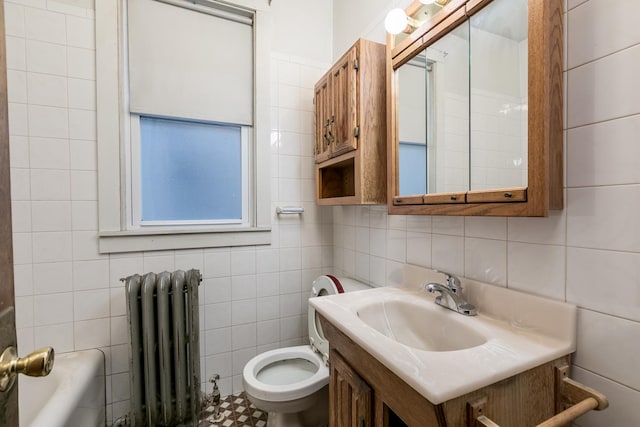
<point>285,392</point>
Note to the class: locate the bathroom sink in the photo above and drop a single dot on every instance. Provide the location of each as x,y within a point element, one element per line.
<point>443,354</point>
<point>420,326</point>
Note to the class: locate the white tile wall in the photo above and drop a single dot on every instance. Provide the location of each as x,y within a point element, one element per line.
<point>593,149</point>
<point>587,253</point>
<point>589,34</point>
<point>69,295</point>
<point>608,346</point>
<point>604,217</point>
<point>525,272</point>
<point>612,276</point>
<point>497,135</point>
<point>253,299</point>
<point>597,99</point>
<point>623,401</point>
<point>485,260</point>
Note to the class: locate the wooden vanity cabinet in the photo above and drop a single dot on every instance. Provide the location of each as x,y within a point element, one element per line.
<point>365,393</point>
<point>350,128</point>
<point>351,395</point>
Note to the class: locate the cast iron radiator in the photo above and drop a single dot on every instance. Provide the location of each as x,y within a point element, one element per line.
<point>164,348</point>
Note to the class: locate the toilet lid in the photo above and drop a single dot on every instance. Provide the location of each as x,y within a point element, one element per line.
<point>327,285</point>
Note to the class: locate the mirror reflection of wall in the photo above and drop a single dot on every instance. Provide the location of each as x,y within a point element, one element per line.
<point>413,83</point>
<point>433,110</point>
<point>462,106</point>
<point>452,109</point>
<point>499,85</point>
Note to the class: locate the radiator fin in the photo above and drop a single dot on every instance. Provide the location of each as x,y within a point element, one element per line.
<point>163,316</point>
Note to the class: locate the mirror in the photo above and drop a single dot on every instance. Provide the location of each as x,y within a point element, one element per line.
<point>444,146</point>
<point>433,99</point>
<point>499,110</point>
<point>472,90</point>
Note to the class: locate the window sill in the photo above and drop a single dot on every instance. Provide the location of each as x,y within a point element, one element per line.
<point>135,241</point>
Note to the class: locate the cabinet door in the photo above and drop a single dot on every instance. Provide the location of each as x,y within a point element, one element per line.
<point>350,398</point>
<point>344,120</point>
<point>323,134</point>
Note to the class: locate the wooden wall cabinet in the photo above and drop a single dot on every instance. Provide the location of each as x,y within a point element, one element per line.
<point>544,188</point>
<point>350,128</point>
<point>364,393</point>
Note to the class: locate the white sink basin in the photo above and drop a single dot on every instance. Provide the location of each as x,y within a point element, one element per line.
<point>443,354</point>
<point>420,326</point>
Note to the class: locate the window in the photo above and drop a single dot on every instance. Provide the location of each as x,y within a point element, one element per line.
<point>190,173</point>
<point>184,162</point>
<point>413,176</point>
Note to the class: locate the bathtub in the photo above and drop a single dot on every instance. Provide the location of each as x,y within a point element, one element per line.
<point>73,394</point>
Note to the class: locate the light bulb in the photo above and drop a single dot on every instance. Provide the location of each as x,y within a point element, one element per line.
<point>427,1</point>
<point>396,21</point>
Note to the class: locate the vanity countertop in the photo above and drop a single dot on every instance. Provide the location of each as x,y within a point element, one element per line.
<point>520,331</point>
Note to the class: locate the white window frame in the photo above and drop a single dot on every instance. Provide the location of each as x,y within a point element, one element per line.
<point>118,232</point>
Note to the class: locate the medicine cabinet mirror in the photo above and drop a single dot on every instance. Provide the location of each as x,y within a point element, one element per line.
<point>475,109</point>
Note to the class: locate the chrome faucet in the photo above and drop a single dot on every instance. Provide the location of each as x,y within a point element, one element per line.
<point>450,295</point>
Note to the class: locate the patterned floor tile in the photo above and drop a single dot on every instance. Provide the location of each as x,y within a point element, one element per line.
<point>236,411</point>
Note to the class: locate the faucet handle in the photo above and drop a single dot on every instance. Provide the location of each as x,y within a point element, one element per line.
<point>453,282</point>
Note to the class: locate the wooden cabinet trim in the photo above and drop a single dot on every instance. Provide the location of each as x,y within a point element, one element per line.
<point>322,122</point>
<point>345,102</point>
<point>473,6</point>
<point>395,393</point>
<point>449,22</point>
<point>350,397</point>
<point>418,33</point>
<point>503,195</point>
<point>408,200</point>
<point>545,129</point>
<point>522,400</point>
<point>445,198</point>
<point>359,117</point>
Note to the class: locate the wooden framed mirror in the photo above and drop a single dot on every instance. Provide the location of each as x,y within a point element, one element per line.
<point>474,105</point>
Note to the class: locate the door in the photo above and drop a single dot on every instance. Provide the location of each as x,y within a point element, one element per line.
<point>323,133</point>
<point>350,397</point>
<point>8,400</point>
<point>345,103</point>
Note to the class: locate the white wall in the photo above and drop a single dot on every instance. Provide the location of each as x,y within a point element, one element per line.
<point>498,119</point>
<point>451,93</point>
<point>412,104</point>
<point>67,294</point>
<point>360,18</point>
<point>253,298</point>
<point>588,253</point>
<point>303,28</point>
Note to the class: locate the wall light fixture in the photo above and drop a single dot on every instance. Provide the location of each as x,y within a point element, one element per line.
<point>397,21</point>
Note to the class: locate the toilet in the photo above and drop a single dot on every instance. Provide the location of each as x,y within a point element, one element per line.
<point>292,383</point>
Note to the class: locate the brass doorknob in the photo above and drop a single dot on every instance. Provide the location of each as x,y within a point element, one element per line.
<point>37,364</point>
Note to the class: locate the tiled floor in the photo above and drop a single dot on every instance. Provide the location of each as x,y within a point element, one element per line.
<point>236,411</point>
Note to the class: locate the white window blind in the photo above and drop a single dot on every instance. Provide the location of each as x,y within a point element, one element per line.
<point>189,64</point>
